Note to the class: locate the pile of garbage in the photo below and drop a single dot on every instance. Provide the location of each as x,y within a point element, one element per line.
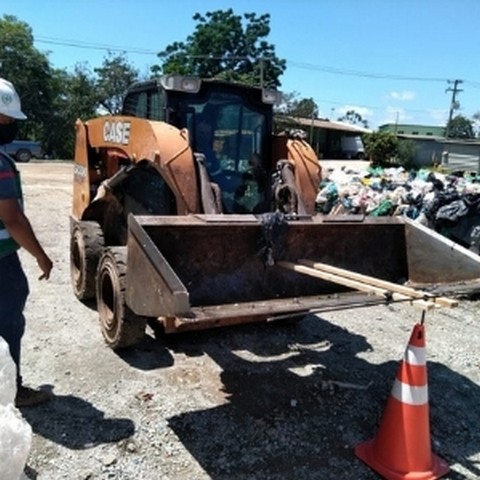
<point>447,203</point>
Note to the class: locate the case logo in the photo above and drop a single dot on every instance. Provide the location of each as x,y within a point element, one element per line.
<point>116,132</point>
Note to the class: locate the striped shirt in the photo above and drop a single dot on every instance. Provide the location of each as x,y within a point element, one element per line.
<point>9,188</point>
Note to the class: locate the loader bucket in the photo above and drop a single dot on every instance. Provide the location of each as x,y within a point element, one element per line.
<point>221,269</point>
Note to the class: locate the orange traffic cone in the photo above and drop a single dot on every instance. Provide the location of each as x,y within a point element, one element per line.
<point>402,449</point>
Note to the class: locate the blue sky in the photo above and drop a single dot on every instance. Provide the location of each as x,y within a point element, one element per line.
<point>390,60</point>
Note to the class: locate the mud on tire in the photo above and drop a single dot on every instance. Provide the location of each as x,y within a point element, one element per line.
<point>120,326</point>
<point>86,248</point>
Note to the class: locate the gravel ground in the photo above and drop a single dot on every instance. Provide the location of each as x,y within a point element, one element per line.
<point>254,402</point>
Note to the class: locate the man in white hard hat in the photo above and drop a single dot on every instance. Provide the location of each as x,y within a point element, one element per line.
<point>15,232</point>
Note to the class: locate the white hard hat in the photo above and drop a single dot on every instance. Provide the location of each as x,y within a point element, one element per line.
<point>10,101</point>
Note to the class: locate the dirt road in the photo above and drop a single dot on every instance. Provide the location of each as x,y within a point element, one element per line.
<point>253,402</point>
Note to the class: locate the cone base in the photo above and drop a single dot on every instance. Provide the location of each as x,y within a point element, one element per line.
<point>365,451</point>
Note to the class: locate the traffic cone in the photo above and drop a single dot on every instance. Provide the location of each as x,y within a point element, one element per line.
<point>402,448</point>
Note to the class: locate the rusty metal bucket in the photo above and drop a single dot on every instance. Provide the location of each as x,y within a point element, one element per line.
<point>219,269</point>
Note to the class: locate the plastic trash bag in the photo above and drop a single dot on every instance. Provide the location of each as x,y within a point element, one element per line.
<point>8,375</point>
<point>15,432</point>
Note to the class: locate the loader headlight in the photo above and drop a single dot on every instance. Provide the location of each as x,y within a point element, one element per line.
<point>271,96</point>
<point>181,83</point>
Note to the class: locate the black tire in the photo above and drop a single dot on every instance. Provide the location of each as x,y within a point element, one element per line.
<point>121,328</point>
<point>23,155</point>
<point>86,248</point>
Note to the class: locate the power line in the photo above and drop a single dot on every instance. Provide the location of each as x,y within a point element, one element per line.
<point>307,66</point>
<point>293,63</point>
<point>357,73</point>
<point>472,84</point>
<point>94,46</point>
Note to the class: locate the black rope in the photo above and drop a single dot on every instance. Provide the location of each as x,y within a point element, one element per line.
<point>274,227</point>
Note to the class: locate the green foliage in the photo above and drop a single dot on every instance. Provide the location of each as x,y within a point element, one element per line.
<point>291,106</point>
<point>228,47</point>
<point>354,118</point>
<point>380,147</point>
<point>77,99</point>
<point>54,99</point>
<point>223,45</point>
<point>113,78</point>
<point>294,106</point>
<point>30,72</point>
<point>405,155</point>
<point>460,127</point>
<point>306,108</point>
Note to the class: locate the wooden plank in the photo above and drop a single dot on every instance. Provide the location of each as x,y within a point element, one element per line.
<point>393,287</point>
<point>356,285</point>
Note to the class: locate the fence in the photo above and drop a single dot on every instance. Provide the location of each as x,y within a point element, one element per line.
<point>452,162</point>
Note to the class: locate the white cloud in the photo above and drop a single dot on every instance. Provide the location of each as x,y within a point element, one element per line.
<point>404,96</point>
<point>439,116</point>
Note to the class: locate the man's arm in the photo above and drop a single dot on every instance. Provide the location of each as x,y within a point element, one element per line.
<point>21,231</point>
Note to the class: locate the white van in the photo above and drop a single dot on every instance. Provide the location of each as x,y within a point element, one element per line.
<point>352,147</point>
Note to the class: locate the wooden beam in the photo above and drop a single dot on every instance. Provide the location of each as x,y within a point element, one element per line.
<point>393,287</point>
<point>356,285</point>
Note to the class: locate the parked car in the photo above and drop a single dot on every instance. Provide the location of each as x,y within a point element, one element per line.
<point>23,150</point>
<point>352,147</point>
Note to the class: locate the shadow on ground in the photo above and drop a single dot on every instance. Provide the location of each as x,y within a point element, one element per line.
<point>75,423</point>
<point>298,410</point>
<point>149,354</point>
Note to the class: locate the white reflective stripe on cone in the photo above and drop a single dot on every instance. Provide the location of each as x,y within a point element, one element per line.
<point>4,235</point>
<point>409,394</point>
<point>415,355</point>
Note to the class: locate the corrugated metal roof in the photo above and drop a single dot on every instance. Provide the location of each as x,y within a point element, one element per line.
<point>456,141</point>
<point>410,136</point>
<point>326,124</point>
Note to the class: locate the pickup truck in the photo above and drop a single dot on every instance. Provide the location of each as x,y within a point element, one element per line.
<point>23,150</point>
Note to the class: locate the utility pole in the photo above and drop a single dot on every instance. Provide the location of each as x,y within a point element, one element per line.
<point>396,124</point>
<point>453,103</point>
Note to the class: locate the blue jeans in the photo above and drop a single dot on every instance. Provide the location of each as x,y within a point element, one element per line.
<point>13,295</point>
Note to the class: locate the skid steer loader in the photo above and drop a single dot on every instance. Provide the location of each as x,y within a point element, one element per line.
<point>189,213</point>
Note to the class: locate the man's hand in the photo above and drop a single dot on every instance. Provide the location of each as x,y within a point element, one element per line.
<point>21,230</point>
<point>45,265</point>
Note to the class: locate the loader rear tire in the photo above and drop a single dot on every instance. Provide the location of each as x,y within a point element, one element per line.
<point>121,327</point>
<point>86,248</point>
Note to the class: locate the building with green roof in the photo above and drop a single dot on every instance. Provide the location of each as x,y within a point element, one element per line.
<point>412,129</point>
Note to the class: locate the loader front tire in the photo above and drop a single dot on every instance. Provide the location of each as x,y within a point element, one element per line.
<point>121,327</point>
<point>86,247</point>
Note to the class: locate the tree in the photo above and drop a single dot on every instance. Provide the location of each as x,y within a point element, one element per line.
<point>228,47</point>
<point>290,108</point>
<point>29,70</point>
<point>291,105</point>
<point>83,95</point>
<point>353,117</point>
<point>380,147</point>
<point>306,108</point>
<point>460,127</point>
<point>405,154</point>
<point>54,99</point>
<point>77,98</point>
<point>114,77</point>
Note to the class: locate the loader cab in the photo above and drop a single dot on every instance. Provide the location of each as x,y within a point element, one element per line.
<point>229,124</point>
